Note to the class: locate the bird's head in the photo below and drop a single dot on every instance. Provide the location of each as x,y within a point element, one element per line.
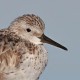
<point>31,27</point>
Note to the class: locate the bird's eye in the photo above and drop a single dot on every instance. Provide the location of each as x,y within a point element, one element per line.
<point>28,30</point>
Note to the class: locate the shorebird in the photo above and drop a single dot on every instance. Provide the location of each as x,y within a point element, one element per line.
<point>22,53</point>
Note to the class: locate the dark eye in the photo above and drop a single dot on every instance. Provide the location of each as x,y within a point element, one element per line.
<point>28,30</point>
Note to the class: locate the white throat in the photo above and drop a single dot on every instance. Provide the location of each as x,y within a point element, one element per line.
<point>35,40</point>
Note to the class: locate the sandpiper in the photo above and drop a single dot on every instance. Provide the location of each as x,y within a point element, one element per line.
<point>22,53</point>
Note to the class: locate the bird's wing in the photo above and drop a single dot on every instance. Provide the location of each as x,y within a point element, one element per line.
<point>11,49</point>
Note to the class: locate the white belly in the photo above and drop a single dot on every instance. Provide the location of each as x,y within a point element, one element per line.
<point>31,67</point>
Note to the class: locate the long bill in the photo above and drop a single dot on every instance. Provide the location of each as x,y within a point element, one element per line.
<point>45,39</point>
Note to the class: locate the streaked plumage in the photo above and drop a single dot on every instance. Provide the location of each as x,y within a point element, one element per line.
<point>22,54</point>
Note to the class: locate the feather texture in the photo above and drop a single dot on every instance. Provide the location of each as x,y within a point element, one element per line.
<point>20,59</point>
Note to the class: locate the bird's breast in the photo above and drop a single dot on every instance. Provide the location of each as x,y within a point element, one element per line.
<point>31,65</point>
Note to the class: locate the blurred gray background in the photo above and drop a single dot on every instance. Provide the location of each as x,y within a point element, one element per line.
<point>62,20</point>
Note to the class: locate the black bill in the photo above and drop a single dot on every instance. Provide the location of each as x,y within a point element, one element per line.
<point>45,39</point>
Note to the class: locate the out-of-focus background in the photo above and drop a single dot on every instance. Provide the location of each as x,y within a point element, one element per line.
<point>62,21</point>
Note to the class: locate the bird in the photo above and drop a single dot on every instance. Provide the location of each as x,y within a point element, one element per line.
<point>22,52</point>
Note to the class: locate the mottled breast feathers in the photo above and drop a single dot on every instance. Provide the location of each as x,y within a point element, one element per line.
<point>12,48</point>
<point>8,53</point>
